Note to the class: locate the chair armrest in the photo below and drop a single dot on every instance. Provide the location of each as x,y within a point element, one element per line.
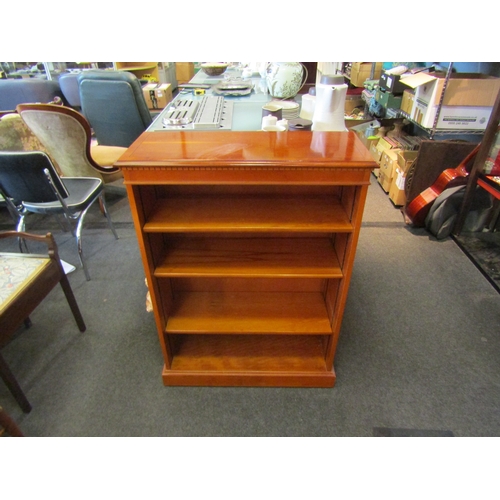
<point>48,239</point>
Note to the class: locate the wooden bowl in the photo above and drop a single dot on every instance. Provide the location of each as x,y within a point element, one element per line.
<point>213,68</point>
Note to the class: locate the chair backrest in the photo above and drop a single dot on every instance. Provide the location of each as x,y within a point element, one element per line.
<point>14,92</point>
<point>114,104</point>
<point>69,87</point>
<point>15,135</point>
<point>23,177</point>
<point>65,134</point>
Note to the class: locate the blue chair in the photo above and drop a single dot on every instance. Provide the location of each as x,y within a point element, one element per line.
<point>24,90</point>
<point>69,87</point>
<point>114,105</point>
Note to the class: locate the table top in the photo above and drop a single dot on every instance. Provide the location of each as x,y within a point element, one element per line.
<point>247,109</point>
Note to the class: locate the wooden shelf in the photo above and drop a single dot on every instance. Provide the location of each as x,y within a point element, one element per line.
<point>249,257</point>
<point>249,360</point>
<point>248,213</point>
<point>137,68</point>
<point>248,312</point>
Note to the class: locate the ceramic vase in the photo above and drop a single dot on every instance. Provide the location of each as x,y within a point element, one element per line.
<point>284,79</point>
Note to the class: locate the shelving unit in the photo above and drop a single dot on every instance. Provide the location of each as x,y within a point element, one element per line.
<point>436,133</point>
<point>477,177</point>
<point>139,69</point>
<point>248,242</point>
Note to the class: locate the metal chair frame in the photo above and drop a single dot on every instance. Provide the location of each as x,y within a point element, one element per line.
<point>61,188</point>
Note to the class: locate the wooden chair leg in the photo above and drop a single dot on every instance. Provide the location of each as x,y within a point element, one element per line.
<point>13,385</point>
<point>70,297</point>
<point>8,425</point>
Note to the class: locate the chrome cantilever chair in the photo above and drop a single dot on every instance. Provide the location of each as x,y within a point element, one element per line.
<point>25,281</point>
<point>67,137</point>
<point>30,183</point>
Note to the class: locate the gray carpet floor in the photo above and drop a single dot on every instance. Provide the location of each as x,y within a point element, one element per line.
<point>418,355</point>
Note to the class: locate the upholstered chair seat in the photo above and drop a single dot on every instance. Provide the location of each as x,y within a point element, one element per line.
<point>25,281</point>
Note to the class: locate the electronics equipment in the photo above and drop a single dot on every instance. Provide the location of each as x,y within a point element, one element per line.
<point>208,113</point>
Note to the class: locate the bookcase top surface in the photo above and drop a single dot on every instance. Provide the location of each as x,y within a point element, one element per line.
<point>253,149</point>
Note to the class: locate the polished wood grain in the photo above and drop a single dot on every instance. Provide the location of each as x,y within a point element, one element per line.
<point>293,361</point>
<point>248,243</point>
<point>249,312</point>
<point>249,257</point>
<point>253,213</point>
<point>418,209</point>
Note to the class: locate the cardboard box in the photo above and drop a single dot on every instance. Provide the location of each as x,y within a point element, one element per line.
<point>388,165</point>
<point>349,122</point>
<point>384,144</point>
<point>157,95</point>
<point>184,71</point>
<point>406,159</point>
<point>467,102</point>
<point>353,102</point>
<point>397,188</point>
<point>361,71</point>
<point>407,101</point>
<point>375,152</point>
<point>452,117</point>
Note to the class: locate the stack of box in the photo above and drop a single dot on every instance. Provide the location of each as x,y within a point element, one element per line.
<point>403,163</point>
<point>407,101</point>
<point>395,156</point>
<point>388,162</point>
<point>467,103</point>
<point>390,91</point>
<point>361,71</point>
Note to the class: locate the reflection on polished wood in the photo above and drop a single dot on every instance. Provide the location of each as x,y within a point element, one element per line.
<point>248,242</point>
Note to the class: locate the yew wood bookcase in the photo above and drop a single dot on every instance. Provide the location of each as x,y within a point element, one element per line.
<point>248,242</point>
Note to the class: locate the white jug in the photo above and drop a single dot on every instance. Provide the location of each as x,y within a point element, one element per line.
<point>330,105</point>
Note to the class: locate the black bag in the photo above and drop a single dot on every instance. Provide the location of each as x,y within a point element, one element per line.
<point>444,211</point>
